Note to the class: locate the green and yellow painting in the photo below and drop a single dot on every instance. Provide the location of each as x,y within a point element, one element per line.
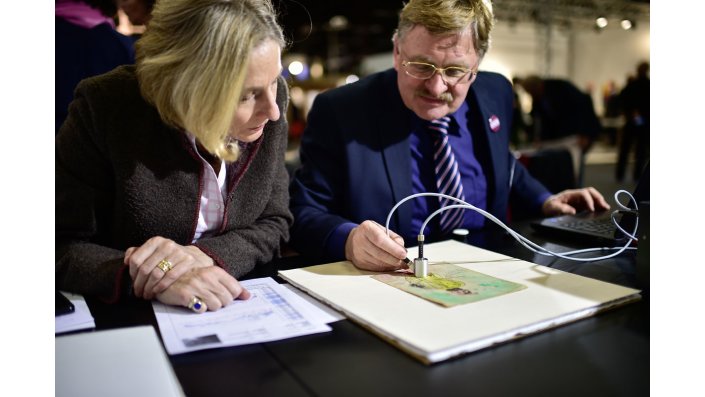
<point>450,285</point>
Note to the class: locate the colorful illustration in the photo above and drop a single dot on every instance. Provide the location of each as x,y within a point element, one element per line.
<point>450,285</point>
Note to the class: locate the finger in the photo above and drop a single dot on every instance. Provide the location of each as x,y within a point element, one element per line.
<point>193,299</point>
<point>178,270</point>
<point>391,234</point>
<point>212,302</point>
<point>372,258</point>
<point>244,295</point>
<point>377,237</point>
<point>221,292</point>
<point>142,276</point>
<point>587,199</point>
<point>399,240</point>
<point>556,207</point>
<point>599,198</point>
<point>139,256</point>
<point>234,287</point>
<point>167,251</point>
<point>128,253</point>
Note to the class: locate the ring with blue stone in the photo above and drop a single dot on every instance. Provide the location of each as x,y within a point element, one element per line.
<point>196,304</point>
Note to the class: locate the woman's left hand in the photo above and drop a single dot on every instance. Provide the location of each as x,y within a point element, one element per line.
<point>148,278</point>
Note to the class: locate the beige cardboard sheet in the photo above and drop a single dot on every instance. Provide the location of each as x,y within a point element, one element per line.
<point>433,333</point>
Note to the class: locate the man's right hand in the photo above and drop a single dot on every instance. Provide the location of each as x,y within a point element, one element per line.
<point>369,248</point>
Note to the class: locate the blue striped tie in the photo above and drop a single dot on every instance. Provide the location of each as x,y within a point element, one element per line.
<point>447,175</point>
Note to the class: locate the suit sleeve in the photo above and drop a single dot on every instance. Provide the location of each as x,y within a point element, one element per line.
<point>318,188</point>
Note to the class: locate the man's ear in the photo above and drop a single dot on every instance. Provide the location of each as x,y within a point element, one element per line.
<point>395,52</point>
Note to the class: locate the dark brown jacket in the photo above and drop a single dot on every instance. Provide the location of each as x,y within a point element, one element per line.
<point>123,176</point>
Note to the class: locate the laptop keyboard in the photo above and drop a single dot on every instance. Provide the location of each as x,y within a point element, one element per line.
<point>600,226</point>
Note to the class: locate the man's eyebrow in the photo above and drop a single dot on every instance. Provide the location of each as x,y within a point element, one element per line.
<point>424,59</point>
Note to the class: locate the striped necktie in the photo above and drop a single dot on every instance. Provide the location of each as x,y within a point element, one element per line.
<point>447,175</point>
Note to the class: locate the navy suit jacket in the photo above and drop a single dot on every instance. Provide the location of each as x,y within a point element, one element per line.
<point>355,159</point>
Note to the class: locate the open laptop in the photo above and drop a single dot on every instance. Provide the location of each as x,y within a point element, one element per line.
<point>596,227</point>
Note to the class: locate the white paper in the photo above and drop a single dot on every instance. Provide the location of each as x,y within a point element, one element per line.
<point>81,318</point>
<point>326,314</point>
<point>272,313</point>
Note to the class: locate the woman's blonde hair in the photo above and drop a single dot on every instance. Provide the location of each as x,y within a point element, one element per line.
<point>192,62</point>
<point>450,16</point>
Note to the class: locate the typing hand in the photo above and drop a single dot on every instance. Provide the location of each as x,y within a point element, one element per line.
<point>369,248</point>
<point>212,285</point>
<point>148,278</point>
<point>572,200</point>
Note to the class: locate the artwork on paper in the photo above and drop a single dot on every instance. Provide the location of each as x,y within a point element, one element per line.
<point>450,285</point>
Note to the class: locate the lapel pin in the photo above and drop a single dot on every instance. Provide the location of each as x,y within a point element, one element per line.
<point>494,123</point>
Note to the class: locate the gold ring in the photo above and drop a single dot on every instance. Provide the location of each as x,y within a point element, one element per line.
<point>196,304</point>
<point>165,265</point>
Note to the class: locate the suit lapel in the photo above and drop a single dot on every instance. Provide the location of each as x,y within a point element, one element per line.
<point>489,109</point>
<point>393,132</point>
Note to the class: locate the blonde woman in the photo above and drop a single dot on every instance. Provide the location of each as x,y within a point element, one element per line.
<point>170,176</point>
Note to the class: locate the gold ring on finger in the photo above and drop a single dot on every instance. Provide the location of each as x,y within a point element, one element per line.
<point>164,265</point>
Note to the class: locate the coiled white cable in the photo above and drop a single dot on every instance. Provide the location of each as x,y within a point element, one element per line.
<point>523,240</point>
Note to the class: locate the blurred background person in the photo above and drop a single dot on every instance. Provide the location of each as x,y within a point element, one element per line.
<point>170,176</point>
<point>134,15</point>
<point>139,12</point>
<point>562,116</point>
<point>86,44</point>
<point>635,103</point>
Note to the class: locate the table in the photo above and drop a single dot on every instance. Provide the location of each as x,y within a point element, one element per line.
<point>604,355</point>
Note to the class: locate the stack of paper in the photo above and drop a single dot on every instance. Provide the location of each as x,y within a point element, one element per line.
<point>272,313</point>
<point>81,318</point>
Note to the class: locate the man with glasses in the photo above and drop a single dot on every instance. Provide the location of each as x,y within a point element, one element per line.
<point>430,124</point>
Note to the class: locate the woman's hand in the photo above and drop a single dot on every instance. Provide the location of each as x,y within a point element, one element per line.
<point>147,278</point>
<point>212,285</point>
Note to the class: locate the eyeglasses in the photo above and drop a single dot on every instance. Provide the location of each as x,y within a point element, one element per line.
<point>424,71</point>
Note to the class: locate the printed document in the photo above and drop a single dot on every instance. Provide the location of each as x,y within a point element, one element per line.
<point>81,318</point>
<point>272,313</point>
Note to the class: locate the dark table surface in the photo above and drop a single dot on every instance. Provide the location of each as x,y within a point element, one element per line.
<point>604,355</point>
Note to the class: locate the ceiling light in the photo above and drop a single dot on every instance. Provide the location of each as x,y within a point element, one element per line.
<point>627,24</point>
<point>601,22</point>
<point>338,22</point>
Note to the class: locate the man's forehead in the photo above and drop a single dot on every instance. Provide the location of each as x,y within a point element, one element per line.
<point>459,43</point>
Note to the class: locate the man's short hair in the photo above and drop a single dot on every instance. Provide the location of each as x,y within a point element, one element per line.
<point>450,16</point>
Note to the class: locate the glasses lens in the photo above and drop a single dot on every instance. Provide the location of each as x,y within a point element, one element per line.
<point>420,70</point>
<point>455,73</point>
<point>424,71</point>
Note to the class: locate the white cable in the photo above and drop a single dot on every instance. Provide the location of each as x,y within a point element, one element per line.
<point>521,239</point>
<point>634,211</point>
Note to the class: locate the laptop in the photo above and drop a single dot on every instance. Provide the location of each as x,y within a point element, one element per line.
<point>597,227</point>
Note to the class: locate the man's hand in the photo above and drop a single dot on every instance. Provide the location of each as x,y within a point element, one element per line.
<point>571,200</point>
<point>369,248</point>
